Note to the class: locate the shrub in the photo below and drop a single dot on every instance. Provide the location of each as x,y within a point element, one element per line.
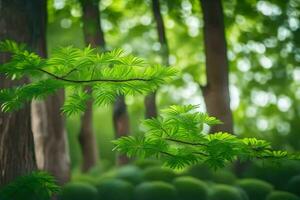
<point>115,189</point>
<point>146,163</point>
<point>280,195</point>
<point>190,188</point>
<point>293,185</point>
<point>225,192</point>
<point>199,171</point>
<point>83,178</point>
<point>224,177</point>
<point>155,190</point>
<point>34,186</point>
<point>277,175</point>
<point>159,174</point>
<point>255,189</point>
<point>130,173</point>
<point>78,191</point>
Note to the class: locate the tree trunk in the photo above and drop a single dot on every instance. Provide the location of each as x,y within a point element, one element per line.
<point>93,36</point>
<point>150,103</point>
<point>216,91</point>
<point>16,138</point>
<point>48,125</point>
<point>50,137</point>
<point>121,125</point>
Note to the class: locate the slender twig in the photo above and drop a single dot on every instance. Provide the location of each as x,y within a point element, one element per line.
<point>201,153</point>
<point>67,74</point>
<point>93,80</point>
<point>186,142</point>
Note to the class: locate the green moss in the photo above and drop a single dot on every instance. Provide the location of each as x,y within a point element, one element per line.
<point>130,173</point>
<point>83,178</point>
<point>280,195</point>
<point>256,189</point>
<point>115,189</point>
<point>146,163</point>
<point>224,177</point>
<point>158,174</point>
<point>199,171</point>
<point>78,191</point>
<point>190,188</point>
<point>293,185</point>
<point>225,192</point>
<point>155,190</point>
<point>277,175</point>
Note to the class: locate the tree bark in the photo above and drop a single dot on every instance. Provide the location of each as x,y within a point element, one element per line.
<point>150,103</point>
<point>216,91</point>
<point>48,125</point>
<point>50,137</point>
<point>93,35</point>
<point>16,138</point>
<point>121,125</point>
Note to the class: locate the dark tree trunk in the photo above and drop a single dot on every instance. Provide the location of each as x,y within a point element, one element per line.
<point>48,125</point>
<point>121,124</point>
<point>93,36</point>
<point>150,103</point>
<point>216,91</point>
<point>16,138</point>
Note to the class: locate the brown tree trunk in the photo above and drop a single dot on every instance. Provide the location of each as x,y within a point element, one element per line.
<point>48,125</point>
<point>121,124</point>
<point>150,103</point>
<point>216,91</point>
<point>50,137</point>
<point>93,36</point>
<point>16,138</point>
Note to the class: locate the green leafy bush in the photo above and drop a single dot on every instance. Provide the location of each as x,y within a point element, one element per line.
<point>84,178</point>
<point>293,185</point>
<point>78,191</point>
<point>35,186</point>
<point>115,189</point>
<point>277,174</point>
<point>158,174</point>
<point>199,171</point>
<point>190,188</point>
<point>225,192</point>
<point>130,173</point>
<point>155,190</point>
<point>256,189</point>
<point>145,163</point>
<point>280,195</point>
<point>223,177</point>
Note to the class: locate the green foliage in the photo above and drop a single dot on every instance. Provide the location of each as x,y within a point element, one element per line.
<point>280,195</point>
<point>224,177</point>
<point>277,175</point>
<point>177,137</point>
<point>130,173</point>
<point>226,192</point>
<point>35,186</point>
<point>109,74</point>
<point>78,191</point>
<point>199,171</point>
<point>190,188</point>
<point>256,189</point>
<point>115,189</point>
<point>154,190</point>
<point>293,185</point>
<point>159,174</point>
<point>145,163</point>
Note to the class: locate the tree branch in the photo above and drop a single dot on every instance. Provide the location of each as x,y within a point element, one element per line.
<point>93,80</point>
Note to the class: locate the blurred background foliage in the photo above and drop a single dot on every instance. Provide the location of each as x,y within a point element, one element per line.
<point>263,40</point>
